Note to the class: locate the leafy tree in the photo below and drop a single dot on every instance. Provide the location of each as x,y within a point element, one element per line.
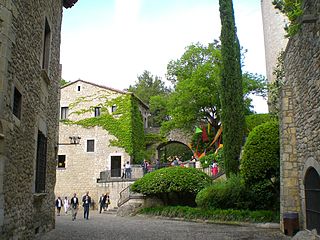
<point>158,110</point>
<point>147,86</point>
<point>196,79</point>
<point>231,89</point>
<point>63,82</point>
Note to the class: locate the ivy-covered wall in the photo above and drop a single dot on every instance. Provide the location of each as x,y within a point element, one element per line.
<point>125,123</point>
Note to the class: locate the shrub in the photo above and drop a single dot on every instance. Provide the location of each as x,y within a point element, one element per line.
<point>230,193</point>
<point>173,185</point>
<point>213,214</point>
<point>261,154</point>
<point>255,120</point>
<point>207,160</point>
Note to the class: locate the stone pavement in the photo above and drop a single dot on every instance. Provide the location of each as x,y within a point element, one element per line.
<point>108,226</point>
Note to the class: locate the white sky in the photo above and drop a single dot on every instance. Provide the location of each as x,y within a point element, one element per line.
<point>111,42</point>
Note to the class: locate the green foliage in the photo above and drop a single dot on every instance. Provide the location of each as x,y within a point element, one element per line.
<point>293,10</point>
<point>263,195</point>
<point>125,123</point>
<point>158,110</point>
<point>218,215</point>
<point>63,82</point>
<point>174,185</point>
<point>274,88</point>
<point>231,89</point>
<point>261,154</point>
<point>206,160</point>
<point>172,149</point>
<point>230,193</point>
<point>219,159</point>
<point>257,119</point>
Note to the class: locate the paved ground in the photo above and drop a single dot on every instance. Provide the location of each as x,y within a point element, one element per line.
<point>107,226</point>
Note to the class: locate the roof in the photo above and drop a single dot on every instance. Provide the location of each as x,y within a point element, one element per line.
<point>107,88</point>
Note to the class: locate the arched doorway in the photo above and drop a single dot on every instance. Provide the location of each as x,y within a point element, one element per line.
<point>312,199</point>
<point>174,148</point>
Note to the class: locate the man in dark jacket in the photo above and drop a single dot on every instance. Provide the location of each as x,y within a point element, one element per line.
<point>86,205</point>
<point>74,206</point>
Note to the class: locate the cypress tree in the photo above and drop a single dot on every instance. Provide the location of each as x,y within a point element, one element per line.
<point>231,86</point>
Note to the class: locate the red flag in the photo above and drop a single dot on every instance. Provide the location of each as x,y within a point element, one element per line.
<point>204,135</point>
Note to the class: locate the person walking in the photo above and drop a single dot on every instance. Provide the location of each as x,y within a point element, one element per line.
<point>66,205</point>
<point>144,166</point>
<point>86,205</point>
<point>74,206</point>
<point>102,202</point>
<point>123,172</point>
<point>58,205</point>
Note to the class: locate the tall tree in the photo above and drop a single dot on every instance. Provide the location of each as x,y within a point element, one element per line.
<point>147,86</point>
<point>231,89</point>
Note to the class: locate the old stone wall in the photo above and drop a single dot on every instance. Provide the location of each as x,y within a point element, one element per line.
<point>274,35</point>
<point>22,28</point>
<point>82,168</point>
<point>300,111</point>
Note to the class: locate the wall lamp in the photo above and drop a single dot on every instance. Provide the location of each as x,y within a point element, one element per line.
<point>74,140</point>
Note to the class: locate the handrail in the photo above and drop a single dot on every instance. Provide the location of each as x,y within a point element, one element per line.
<point>124,196</point>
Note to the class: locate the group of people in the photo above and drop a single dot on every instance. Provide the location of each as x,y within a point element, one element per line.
<point>126,170</point>
<point>73,204</point>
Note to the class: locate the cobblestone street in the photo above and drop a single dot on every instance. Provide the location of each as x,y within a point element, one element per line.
<point>107,226</point>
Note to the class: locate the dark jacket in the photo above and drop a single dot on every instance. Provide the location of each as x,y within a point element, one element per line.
<point>88,202</point>
<point>74,204</point>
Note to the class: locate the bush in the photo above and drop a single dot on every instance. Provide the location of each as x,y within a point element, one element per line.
<point>255,120</point>
<point>206,160</point>
<point>230,193</point>
<point>173,185</point>
<point>213,214</point>
<point>261,154</point>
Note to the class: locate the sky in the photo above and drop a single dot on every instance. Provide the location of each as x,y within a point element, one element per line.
<point>111,42</point>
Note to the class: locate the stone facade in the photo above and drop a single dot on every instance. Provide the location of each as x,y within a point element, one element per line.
<point>274,35</point>
<point>29,93</point>
<point>300,111</point>
<point>82,168</point>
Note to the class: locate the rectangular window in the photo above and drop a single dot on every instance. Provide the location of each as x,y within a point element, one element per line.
<point>61,161</point>
<point>41,163</point>
<point>79,88</point>
<point>64,113</point>
<point>113,108</point>
<point>90,145</point>
<point>17,102</point>
<point>97,111</point>
<point>46,46</point>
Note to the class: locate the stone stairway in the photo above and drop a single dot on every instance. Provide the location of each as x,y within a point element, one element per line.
<point>112,211</point>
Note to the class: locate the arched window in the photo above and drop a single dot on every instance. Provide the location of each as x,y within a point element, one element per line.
<point>312,195</point>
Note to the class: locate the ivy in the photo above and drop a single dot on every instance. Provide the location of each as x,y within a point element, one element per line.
<point>125,123</point>
<point>293,10</point>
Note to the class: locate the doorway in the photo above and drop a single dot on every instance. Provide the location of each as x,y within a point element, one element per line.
<point>115,166</point>
<point>312,195</point>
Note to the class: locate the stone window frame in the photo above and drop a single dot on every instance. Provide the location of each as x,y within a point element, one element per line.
<point>63,166</point>
<point>17,86</point>
<point>64,112</point>
<point>17,103</point>
<point>113,108</point>
<point>87,146</point>
<point>41,162</point>
<point>46,46</point>
<point>97,111</point>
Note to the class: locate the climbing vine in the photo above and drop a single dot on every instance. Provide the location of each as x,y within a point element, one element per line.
<point>293,10</point>
<point>125,123</point>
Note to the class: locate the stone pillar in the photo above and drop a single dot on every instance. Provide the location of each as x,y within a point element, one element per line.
<point>289,172</point>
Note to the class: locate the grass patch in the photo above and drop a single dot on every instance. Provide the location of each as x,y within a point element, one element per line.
<point>228,215</point>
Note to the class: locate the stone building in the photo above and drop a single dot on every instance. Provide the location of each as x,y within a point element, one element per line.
<point>300,122</point>
<point>107,120</point>
<point>274,35</point>
<point>29,93</point>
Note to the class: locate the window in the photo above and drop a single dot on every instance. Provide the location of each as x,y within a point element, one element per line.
<point>64,112</point>
<point>17,102</point>
<point>61,161</point>
<point>97,111</point>
<point>113,108</point>
<point>79,88</point>
<point>90,145</point>
<point>41,163</point>
<point>46,46</point>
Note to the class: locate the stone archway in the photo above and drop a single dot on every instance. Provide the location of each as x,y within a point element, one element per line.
<point>312,199</point>
<point>183,150</point>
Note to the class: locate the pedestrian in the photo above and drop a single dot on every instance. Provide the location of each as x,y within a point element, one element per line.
<point>123,172</point>
<point>58,205</point>
<point>66,205</point>
<point>102,202</point>
<point>144,166</point>
<point>128,169</point>
<point>214,168</point>
<point>74,206</point>
<point>86,205</point>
